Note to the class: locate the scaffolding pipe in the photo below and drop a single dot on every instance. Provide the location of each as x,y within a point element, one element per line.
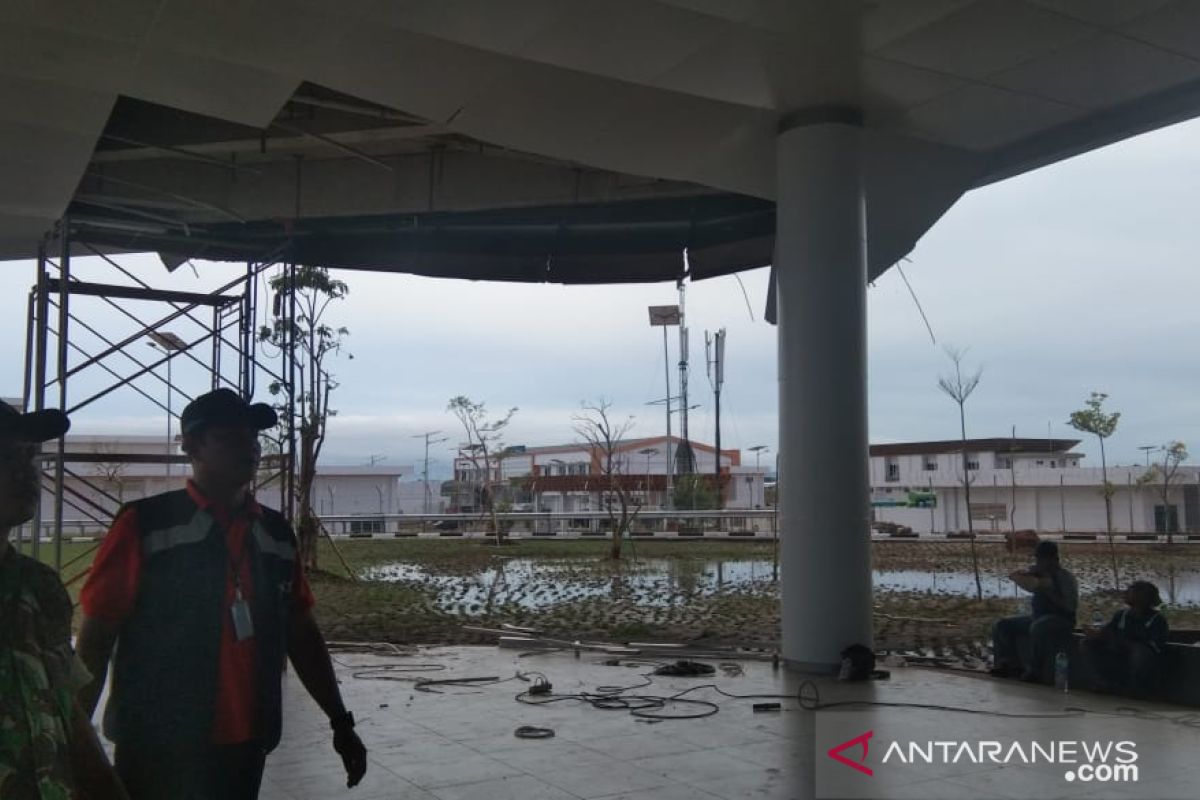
<point>39,380</point>
<point>64,271</point>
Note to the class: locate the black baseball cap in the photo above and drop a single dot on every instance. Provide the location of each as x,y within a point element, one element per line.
<point>36,426</point>
<point>226,407</point>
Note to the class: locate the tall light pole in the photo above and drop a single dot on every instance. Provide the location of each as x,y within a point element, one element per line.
<point>169,344</point>
<point>714,351</point>
<point>758,450</point>
<point>427,436</point>
<point>1148,449</point>
<point>665,317</point>
<point>647,452</point>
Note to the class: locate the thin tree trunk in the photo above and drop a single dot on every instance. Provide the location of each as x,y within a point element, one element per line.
<point>1112,547</point>
<point>962,420</point>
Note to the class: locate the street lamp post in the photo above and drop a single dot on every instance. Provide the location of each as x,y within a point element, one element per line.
<point>169,344</point>
<point>758,450</point>
<point>647,452</point>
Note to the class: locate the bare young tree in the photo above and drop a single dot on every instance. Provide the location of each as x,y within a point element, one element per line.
<point>1092,419</point>
<point>113,472</point>
<point>603,436</point>
<point>1165,478</point>
<point>958,388</point>
<point>483,448</point>
<point>313,289</point>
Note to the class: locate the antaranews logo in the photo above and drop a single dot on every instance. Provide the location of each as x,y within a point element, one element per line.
<point>1086,761</point>
<point>862,739</point>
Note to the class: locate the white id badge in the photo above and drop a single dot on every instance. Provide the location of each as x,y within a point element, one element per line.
<point>243,625</point>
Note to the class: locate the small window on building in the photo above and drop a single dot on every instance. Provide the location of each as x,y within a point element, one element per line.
<point>972,464</point>
<point>1053,464</point>
<point>891,470</point>
<point>1041,463</point>
<point>930,465</point>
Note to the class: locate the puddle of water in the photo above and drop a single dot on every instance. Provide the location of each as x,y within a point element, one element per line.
<point>538,584</point>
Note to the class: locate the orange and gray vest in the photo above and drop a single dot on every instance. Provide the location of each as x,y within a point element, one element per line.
<point>165,670</point>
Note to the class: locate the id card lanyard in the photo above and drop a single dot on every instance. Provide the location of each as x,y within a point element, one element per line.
<point>243,622</point>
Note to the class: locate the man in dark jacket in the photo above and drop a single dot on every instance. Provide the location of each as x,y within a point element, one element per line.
<point>202,594</point>
<point>1025,645</point>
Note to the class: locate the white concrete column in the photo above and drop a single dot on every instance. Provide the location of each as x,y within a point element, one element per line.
<point>821,282</point>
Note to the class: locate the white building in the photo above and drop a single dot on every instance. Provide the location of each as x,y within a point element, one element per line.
<point>570,477</point>
<point>94,487</point>
<point>1037,484</point>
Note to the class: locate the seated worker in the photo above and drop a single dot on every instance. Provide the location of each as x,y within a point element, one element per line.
<point>1125,655</point>
<point>1026,645</point>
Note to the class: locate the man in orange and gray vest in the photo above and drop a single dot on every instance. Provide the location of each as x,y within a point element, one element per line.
<point>201,592</point>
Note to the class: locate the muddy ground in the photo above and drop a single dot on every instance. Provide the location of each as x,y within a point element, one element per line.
<point>667,591</point>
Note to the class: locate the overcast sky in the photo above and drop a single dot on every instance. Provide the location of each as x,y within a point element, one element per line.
<point>1078,277</point>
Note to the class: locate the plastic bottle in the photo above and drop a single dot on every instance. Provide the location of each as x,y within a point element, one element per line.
<point>1062,671</point>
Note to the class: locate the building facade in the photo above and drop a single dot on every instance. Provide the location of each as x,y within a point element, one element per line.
<point>1035,484</point>
<point>571,477</point>
<point>94,487</point>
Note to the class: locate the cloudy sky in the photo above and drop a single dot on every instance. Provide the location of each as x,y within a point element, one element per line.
<point>1078,277</point>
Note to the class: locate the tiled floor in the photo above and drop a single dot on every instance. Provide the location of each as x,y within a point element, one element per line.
<point>459,743</point>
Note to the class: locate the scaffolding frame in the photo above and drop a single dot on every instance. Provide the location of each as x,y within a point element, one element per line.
<point>226,318</point>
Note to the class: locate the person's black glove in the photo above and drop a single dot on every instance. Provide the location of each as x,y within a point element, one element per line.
<point>353,753</point>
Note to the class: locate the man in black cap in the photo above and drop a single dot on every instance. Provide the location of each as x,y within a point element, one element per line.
<point>48,748</point>
<point>1026,645</point>
<point>202,594</point>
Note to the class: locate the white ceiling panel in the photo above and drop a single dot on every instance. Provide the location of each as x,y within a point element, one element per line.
<point>652,39</point>
<point>980,117</point>
<point>890,88</point>
<point>1100,72</point>
<point>483,24</point>
<point>984,38</point>
<point>730,69</point>
<point>282,36</point>
<point>421,75</point>
<point>124,21</point>
<point>47,133</point>
<point>885,22</point>
<point>1106,13</point>
<point>209,86</point>
<point>68,57</point>
<point>1175,27</point>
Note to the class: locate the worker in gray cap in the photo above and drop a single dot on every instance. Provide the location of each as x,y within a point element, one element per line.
<point>203,597</point>
<point>48,748</point>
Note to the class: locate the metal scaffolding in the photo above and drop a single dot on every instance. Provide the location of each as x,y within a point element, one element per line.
<point>224,345</point>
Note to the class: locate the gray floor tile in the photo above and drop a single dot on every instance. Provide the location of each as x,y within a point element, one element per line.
<point>674,792</point>
<point>643,745</point>
<point>519,787</point>
<point>697,768</point>
<point>598,780</point>
<point>472,769</point>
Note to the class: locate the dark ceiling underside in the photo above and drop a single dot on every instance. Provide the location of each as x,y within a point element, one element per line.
<point>625,242</point>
